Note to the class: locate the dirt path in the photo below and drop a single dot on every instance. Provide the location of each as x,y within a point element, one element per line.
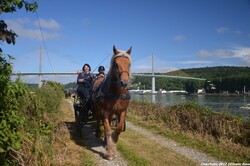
<point>188,152</point>
<point>87,143</point>
<point>95,147</point>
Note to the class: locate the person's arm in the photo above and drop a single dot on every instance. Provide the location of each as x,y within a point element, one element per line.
<point>78,71</point>
<point>80,79</point>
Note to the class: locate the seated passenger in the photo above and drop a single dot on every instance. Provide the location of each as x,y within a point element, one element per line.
<point>101,71</point>
<point>85,82</point>
<point>99,77</point>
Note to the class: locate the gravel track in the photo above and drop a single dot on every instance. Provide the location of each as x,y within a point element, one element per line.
<point>192,154</point>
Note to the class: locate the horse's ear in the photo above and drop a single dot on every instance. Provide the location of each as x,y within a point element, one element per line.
<point>129,51</point>
<point>115,50</point>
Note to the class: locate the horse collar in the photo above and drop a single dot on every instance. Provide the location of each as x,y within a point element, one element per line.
<point>101,94</point>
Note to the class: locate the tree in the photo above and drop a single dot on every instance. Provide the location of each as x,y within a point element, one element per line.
<point>192,86</point>
<point>10,137</point>
<point>10,6</point>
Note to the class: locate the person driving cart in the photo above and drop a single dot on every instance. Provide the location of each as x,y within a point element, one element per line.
<point>85,82</point>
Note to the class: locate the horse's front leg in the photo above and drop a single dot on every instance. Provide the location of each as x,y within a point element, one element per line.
<point>110,153</point>
<point>119,128</point>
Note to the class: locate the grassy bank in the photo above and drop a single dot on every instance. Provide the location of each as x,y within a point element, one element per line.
<point>220,135</point>
<point>29,122</point>
<point>40,109</point>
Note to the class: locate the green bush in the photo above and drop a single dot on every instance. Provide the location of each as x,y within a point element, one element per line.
<point>27,116</point>
<point>10,121</point>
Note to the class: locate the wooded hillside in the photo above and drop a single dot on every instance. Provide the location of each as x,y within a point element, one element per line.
<point>224,78</point>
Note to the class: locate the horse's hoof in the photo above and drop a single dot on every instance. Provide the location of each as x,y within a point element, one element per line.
<point>109,157</point>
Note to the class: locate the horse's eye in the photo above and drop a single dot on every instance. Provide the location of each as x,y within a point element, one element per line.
<point>115,65</point>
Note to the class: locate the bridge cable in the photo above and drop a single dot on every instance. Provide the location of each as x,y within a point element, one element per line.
<point>43,40</point>
<point>100,63</point>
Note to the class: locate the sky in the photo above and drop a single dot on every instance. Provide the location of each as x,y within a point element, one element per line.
<point>179,33</point>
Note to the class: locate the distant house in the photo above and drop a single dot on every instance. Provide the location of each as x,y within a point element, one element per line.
<point>201,91</point>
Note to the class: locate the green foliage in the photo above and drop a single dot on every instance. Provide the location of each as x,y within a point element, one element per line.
<point>223,78</point>
<point>192,86</point>
<point>71,85</point>
<point>10,121</point>
<point>132,157</point>
<point>27,116</point>
<point>10,92</point>
<point>220,134</point>
<point>31,115</point>
<point>10,6</point>
<point>197,119</point>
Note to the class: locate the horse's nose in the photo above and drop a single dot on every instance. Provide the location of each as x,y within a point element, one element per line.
<point>124,83</point>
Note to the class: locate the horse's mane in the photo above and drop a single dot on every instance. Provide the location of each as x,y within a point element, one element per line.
<point>121,53</point>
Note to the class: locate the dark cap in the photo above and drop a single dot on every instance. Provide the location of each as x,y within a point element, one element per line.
<point>101,68</point>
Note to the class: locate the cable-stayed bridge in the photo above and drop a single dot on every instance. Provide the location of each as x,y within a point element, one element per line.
<point>153,76</point>
<point>133,74</point>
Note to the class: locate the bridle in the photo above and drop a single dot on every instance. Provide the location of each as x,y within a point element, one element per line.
<point>119,73</point>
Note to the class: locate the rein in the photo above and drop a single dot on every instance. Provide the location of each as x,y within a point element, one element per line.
<point>101,94</point>
<point>113,97</point>
<point>117,81</point>
<point>123,96</point>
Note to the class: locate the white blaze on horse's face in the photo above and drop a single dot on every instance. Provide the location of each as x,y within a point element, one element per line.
<point>122,64</point>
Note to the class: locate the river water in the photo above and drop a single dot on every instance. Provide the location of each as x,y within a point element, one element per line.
<point>234,104</point>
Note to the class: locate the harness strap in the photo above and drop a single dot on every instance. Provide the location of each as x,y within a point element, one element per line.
<point>114,97</point>
<point>99,93</point>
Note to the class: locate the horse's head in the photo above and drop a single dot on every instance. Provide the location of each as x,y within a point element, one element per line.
<point>120,66</point>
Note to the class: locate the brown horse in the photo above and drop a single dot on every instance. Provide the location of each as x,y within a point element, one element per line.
<point>112,98</point>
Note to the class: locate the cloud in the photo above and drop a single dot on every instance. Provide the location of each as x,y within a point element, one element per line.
<point>241,53</point>
<point>238,32</point>
<point>195,62</point>
<point>222,30</point>
<point>180,38</point>
<point>28,28</point>
<point>216,53</point>
<point>49,24</point>
<point>29,62</point>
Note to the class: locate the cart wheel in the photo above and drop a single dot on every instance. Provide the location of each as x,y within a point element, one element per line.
<point>78,122</point>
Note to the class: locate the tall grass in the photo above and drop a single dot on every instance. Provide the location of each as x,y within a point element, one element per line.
<point>221,135</point>
<point>39,111</point>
